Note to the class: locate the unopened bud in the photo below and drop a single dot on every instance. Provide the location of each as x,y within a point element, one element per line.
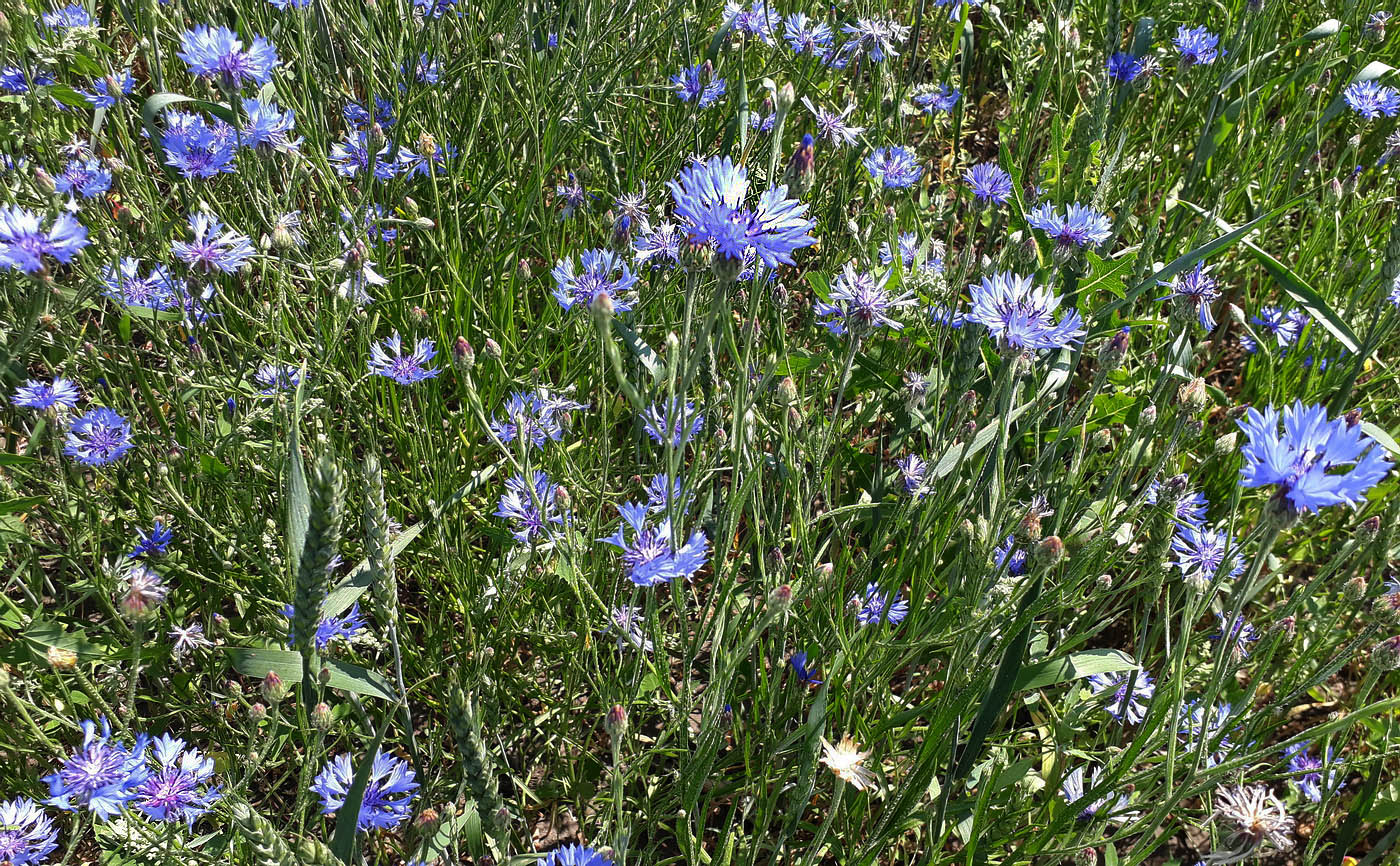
<point>492,349</point>
<point>462,354</point>
<point>1029,530</point>
<point>257,713</point>
<point>787,391</point>
<point>603,305</point>
<point>44,182</point>
<point>1104,582</point>
<point>522,269</point>
<point>1102,439</point>
<point>1353,417</point>
<point>1050,550</point>
<point>235,688</point>
<point>780,599</point>
<point>1148,416</point>
<point>321,717</point>
<point>1355,589</point>
<point>1386,654</point>
<point>1112,353</point>
<point>561,495</point>
<point>1369,529</point>
<point>1224,446</point>
<point>787,97</point>
<point>273,688</point>
<point>323,676</point>
<point>1086,857</point>
<point>615,722</point>
<point>1192,396</point>
<point>427,819</point>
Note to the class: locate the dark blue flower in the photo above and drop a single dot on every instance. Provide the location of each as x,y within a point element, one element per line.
<point>269,126</point>
<point>534,417</point>
<point>1114,806</point>
<point>575,855</point>
<point>331,628</point>
<point>912,256</point>
<point>679,422</point>
<point>876,606</point>
<point>1211,724</point>
<point>58,394</point>
<point>876,37</point>
<point>98,437</point>
<point>1309,783</point>
<point>709,203</point>
<point>894,167</point>
<point>1196,44</point>
<point>913,471</point>
<point>832,126</point>
<point>388,795</point>
<point>1241,634</point>
<point>67,18</point>
<point>989,182</point>
<point>1285,325</point>
<point>700,84</point>
<point>102,776</point>
<point>179,789</point>
<point>218,53</point>
<point>1009,555</point>
<point>1196,290</point>
<point>153,543</point>
<point>1190,508</point>
<point>104,94</point>
<point>860,303</point>
<point>939,100</point>
<point>648,556</point>
<point>1315,462</point>
<point>87,178</point>
<point>387,359</point>
<point>1122,704</point>
<point>534,509</point>
<point>659,246</point>
<point>806,36</point>
<point>24,242</point>
<point>1124,67</point>
<point>1201,554</point>
<point>198,148</point>
<point>1079,226</point>
<point>806,676</point>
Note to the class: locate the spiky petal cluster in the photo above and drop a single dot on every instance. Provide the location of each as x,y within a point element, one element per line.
<point>214,248</point>
<point>649,556</point>
<point>98,437</point>
<point>1123,704</point>
<point>1113,806</point>
<point>387,798</point>
<point>894,167</point>
<point>875,606</point>
<point>58,394</point>
<point>575,855</point>
<point>102,776</point>
<point>1197,45</point>
<point>860,303</point>
<point>533,508</point>
<point>593,278</point>
<point>179,789</point>
<point>1201,553</point>
<point>678,422</point>
<point>24,242</point>
<point>989,182</point>
<point>1021,315</point>
<point>27,835</point>
<point>1196,291</point>
<point>218,53</point>
<point>709,204</point>
<point>1079,226</point>
<point>388,359</point>
<point>1315,461</point>
<point>1254,819</point>
<point>1371,99</point>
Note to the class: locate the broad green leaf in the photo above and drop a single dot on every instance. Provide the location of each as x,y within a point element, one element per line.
<point>1072,667</point>
<point>298,496</point>
<point>641,351</point>
<point>258,661</point>
<point>43,634</point>
<point>23,503</point>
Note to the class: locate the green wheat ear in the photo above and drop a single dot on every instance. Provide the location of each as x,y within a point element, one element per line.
<point>383,585</point>
<point>322,542</point>
<point>477,771</point>
<point>269,849</point>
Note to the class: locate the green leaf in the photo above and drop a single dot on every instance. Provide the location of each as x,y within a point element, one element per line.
<point>1072,667</point>
<point>1106,274</point>
<point>1381,436</point>
<point>258,661</point>
<point>298,496</point>
<point>212,466</point>
<point>159,102</point>
<point>641,351</point>
<point>43,634</point>
<point>17,460</point>
<point>23,503</point>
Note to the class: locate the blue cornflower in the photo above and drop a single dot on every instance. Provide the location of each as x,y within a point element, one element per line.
<point>359,118</point>
<point>351,156</point>
<point>1309,462</point>
<point>699,83</point>
<point>989,182</point>
<point>534,417</point>
<point>575,855</point>
<point>1124,67</point>
<point>213,248</point>
<point>627,620</point>
<point>679,421</point>
<point>1213,725</point>
<point>104,95</point>
<point>433,8</point>
<point>1124,705</point>
<point>913,471</point>
<point>648,557</point>
<point>1196,44</point>
<point>67,18</point>
<point>936,100</point>
<point>1019,314</point>
<point>1310,783</point>
<point>330,628</point>
<point>876,37</point>
<point>759,19</point>
<point>1009,555</point>
<point>268,126</point>
<point>1201,554</point>
<point>532,508</point>
<point>832,126</point>
<point>1241,634</point>
<point>88,178</point>
<point>179,790</point>
<point>1286,325</point>
<point>910,255</point>
<point>806,36</point>
<point>24,242</point>
<point>388,360</point>
<point>27,835</point>
<point>387,798</point>
<point>1112,806</point>
<point>876,606</point>
<point>894,167</point>
<point>414,164</point>
<point>98,437</point>
<point>709,203</point>
<point>860,303</point>
<point>425,71</point>
<point>805,675</point>
<point>196,147</point>
<point>102,776</point>
<point>1190,508</point>
<point>660,246</point>
<point>572,195</point>
<point>153,543</point>
<point>663,492</point>
<point>59,394</point>
<point>284,5</point>
<point>1196,291</point>
<point>218,53</point>
<point>14,80</point>
<point>955,7</point>
<point>594,277</point>
<point>277,377</point>
<point>1371,99</point>
<point>1080,226</point>
<point>948,317</point>
<point>158,290</point>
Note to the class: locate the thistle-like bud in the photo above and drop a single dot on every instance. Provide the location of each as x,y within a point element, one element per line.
<point>1104,582</point>
<point>786,98</point>
<point>522,269</point>
<point>1029,529</point>
<point>463,355</point>
<point>321,717</point>
<point>787,391</point>
<point>1386,654</point>
<point>1354,590</point>
<point>257,713</point>
<point>1224,446</point>
<point>801,169</point>
<point>427,145</point>
<point>1050,551</point>
<point>427,819</point>
<point>1112,353</point>
<point>44,181</point>
<point>615,722</point>
<point>273,688</point>
<point>1086,857</point>
<point>1148,415</point>
<point>491,349</point>
<point>1192,396</point>
<point>780,600</point>
<point>726,268</point>
<point>1370,528</point>
<point>1102,439</point>
<point>282,238</point>
<point>602,305</point>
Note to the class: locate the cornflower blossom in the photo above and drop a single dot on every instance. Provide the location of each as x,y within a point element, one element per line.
<point>663,493</point>
<point>27,835</point>
<point>632,207</point>
<point>188,638</point>
<point>218,53</point>
<point>1125,68</point>
<point>214,248</point>
<point>627,620</point>
<point>97,437</point>
<point>351,156</point>
<point>759,19</point>
<point>907,245</point>
<point>1195,291</point>
<point>330,628</point>
<point>805,675</point>
<point>989,182</point>
<point>699,83</point>
<point>70,17</point>
<point>658,246</point>
<point>1308,463</point>
<point>358,118</point>
<point>387,359</point>
<point>949,317</point>
<point>388,795</point>
<point>284,5</point>
<point>955,7</point>
<point>860,303</point>
<point>1241,634</point>
<point>268,127</point>
<point>534,417</point>
<point>594,276</point>
<point>1200,554</point>
<point>1079,226</point>
<point>534,509</point>
<point>832,126</point>
<point>875,606</point>
<point>198,148</point>
<point>1255,819</point>
<point>87,178</point>
<point>1123,705</point>
<point>179,788</point>
<point>876,37</point>
<point>158,290</point>
<point>433,8</point>
<point>1196,44</point>
<point>1207,729</point>
<point>1021,315</point>
<point>286,230</point>
<point>913,472</point>
<point>806,36</point>
<point>1112,806</point>
<point>24,242</point>
<point>276,377</point>
<point>649,557</point>
<point>143,591</point>
<point>1371,99</point>
<point>847,761</point>
<point>104,94</point>
<point>1309,783</point>
<point>426,71</point>
<point>152,543</point>
<point>679,422</point>
<point>102,776</point>
<point>709,205</point>
<point>936,100</point>
<point>572,194</point>
<point>359,273</point>
<point>59,395</point>
<point>14,80</point>
<point>1286,326</point>
<point>575,855</point>
<point>1012,557</point>
<point>1190,508</point>
<point>894,167</point>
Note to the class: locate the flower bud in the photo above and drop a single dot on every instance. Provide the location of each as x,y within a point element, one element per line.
<point>427,819</point>
<point>801,169</point>
<point>1104,582</point>
<point>273,688</point>
<point>522,269</point>
<point>726,268</point>
<point>1369,529</point>
<point>1112,353</point>
<point>257,713</point>
<point>1050,551</point>
<point>321,717</point>
<point>44,182</point>
<point>561,495</point>
<point>62,659</point>
<point>780,600</point>
<point>1224,446</point>
<point>787,97</point>
<point>1029,530</point>
<point>1102,439</point>
<point>1355,589</point>
<point>615,722</point>
<point>492,349</point>
<point>1086,857</point>
<point>602,305</point>
<point>462,354</point>
<point>1386,654</point>
<point>1192,396</point>
<point>1148,416</point>
<point>787,391</point>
